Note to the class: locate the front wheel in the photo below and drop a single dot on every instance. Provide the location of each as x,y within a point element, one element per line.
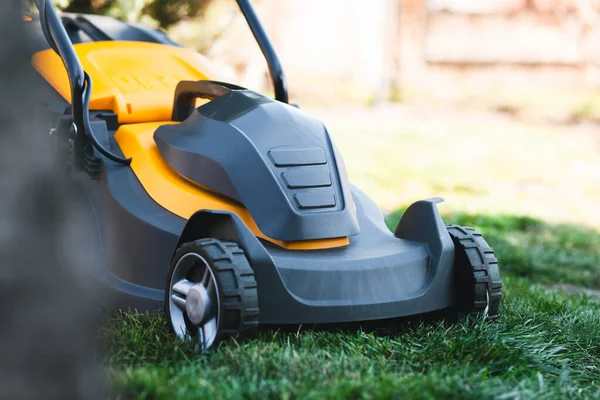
<point>211,293</point>
<point>476,273</point>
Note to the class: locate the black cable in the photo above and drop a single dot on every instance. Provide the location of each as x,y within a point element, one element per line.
<point>80,81</point>
<point>86,120</point>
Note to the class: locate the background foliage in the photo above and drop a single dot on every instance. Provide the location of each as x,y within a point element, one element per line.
<point>165,13</point>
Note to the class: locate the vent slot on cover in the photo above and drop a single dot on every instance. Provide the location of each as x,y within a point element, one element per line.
<point>303,170</point>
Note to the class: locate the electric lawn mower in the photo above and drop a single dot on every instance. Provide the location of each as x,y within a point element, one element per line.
<point>237,212</point>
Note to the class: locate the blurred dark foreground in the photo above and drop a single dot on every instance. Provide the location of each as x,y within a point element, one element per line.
<point>47,322</point>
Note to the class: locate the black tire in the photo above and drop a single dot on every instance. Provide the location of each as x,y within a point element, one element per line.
<point>236,286</point>
<point>477,276</point>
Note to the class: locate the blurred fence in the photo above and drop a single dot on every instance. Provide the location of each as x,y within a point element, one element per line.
<point>441,48</point>
<point>499,46</point>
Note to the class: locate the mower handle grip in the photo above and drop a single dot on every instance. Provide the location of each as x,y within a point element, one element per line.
<point>187,92</point>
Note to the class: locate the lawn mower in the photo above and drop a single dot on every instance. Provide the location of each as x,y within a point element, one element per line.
<point>236,212</point>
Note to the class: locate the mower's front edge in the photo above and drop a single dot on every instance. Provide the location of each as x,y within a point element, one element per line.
<point>377,276</point>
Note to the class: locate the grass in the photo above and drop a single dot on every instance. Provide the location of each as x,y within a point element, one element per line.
<point>546,345</point>
<point>480,163</point>
<point>530,189</point>
<point>545,253</point>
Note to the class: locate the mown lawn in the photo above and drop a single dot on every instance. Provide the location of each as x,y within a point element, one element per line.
<point>531,191</point>
<point>546,344</point>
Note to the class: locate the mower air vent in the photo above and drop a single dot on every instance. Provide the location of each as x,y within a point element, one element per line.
<point>306,176</point>
<point>312,200</point>
<point>292,157</point>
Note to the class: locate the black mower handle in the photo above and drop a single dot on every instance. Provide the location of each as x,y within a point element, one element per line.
<point>187,92</point>
<point>275,68</point>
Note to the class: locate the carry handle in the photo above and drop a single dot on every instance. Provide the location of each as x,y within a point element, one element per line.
<point>187,92</point>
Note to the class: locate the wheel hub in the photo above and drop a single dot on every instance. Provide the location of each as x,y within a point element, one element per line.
<point>197,304</point>
<point>194,301</point>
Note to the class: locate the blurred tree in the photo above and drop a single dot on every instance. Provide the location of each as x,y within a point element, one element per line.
<point>166,13</point>
<point>89,6</point>
<point>169,12</point>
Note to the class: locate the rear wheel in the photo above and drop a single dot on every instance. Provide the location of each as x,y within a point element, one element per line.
<point>477,277</point>
<point>211,293</point>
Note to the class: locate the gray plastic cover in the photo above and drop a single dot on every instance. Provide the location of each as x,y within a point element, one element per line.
<point>271,157</point>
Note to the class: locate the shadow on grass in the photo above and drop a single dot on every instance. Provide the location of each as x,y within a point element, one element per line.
<point>531,248</point>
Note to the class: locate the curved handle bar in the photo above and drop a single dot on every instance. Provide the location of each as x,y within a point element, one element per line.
<point>275,68</point>
<point>187,92</point>
<point>79,81</point>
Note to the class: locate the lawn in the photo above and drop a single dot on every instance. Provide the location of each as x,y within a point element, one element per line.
<point>545,345</point>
